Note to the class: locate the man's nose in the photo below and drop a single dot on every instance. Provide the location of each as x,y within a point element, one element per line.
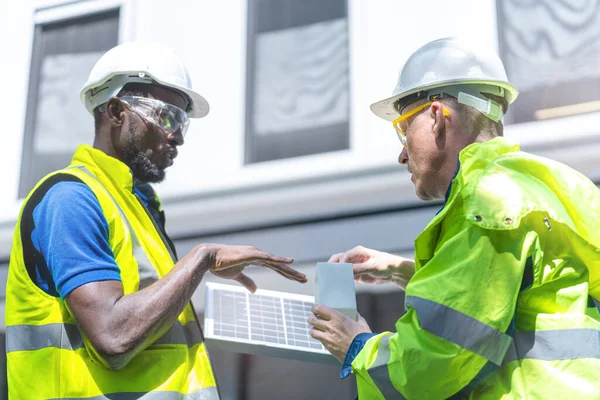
<point>403,157</point>
<point>176,138</point>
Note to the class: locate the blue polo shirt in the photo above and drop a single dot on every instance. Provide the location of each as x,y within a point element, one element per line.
<point>70,240</point>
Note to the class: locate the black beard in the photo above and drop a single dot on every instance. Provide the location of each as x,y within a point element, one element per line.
<point>142,168</point>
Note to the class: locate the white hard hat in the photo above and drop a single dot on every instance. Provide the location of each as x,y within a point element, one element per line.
<point>141,62</point>
<point>451,66</point>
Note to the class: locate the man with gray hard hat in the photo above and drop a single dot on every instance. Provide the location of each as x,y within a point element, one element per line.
<point>97,303</point>
<point>500,298</point>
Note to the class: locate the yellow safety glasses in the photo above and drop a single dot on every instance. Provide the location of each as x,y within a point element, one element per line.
<point>401,123</point>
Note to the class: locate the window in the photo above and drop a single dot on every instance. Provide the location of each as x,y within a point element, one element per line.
<point>64,53</point>
<point>297,96</point>
<point>551,50</point>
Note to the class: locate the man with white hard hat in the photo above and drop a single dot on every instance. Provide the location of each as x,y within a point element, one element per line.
<point>500,298</point>
<point>97,303</point>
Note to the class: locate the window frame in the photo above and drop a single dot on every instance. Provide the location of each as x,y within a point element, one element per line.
<point>288,143</point>
<point>529,107</point>
<point>50,13</point>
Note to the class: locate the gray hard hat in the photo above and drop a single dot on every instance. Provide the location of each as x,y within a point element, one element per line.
<point>452,66</point>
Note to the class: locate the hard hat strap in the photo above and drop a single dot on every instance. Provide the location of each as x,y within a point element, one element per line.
<point>471,95</point>
<point>468,94</point>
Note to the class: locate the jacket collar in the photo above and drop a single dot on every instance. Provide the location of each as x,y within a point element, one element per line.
<point>474,158</point>
<point>472,161</point>
<point>107,169</point>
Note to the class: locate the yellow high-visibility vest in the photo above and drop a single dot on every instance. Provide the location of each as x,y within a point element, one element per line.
<point>502,302</point>
<point>48,356</point>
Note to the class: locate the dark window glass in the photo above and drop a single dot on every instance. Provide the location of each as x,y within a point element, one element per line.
<point>297,98</point>
<point>57,122</point>
<point>551,50</point>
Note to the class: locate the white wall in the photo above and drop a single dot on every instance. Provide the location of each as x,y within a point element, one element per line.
<point>16,37</point>
<point>212,159</point>
<point>210,36</point>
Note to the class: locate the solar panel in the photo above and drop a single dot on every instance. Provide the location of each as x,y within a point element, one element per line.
<point>266,323</point>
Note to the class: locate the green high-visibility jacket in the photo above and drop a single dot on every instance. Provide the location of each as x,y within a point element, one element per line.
<point>501,304</point>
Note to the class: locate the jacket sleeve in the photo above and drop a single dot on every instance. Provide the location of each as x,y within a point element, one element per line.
<point>458,321</point>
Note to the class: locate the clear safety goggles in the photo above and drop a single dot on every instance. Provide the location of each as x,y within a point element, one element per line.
<point>401,123</point>
<point>167,117</point>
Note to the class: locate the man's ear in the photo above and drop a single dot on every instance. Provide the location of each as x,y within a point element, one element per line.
<point>439,123</point>
<point>115,111</point>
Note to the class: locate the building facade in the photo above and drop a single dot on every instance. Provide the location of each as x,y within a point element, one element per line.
<point>290,159</point>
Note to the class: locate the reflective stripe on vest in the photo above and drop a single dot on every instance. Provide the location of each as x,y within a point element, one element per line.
<point>208,393</point>
<point>67,336</point>
<point>379,371</point>
<point>460,329</point>
<point>146,271</point>
<point>174,366</point>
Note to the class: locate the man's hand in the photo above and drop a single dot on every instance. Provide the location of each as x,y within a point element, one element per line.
<point>335,330</point>
<point>120,326</point>
<point>229,262</point>
<point>372,266</point>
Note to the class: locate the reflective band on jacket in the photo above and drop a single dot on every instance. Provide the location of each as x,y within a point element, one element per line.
<point>209,393</point>
<point>560,344</point>
<point>379,371</point>
<point>67,336</point>
<point>459,328</point>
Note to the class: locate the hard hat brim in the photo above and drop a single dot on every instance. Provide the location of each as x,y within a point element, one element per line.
<point>199,105</point>
<point>385,108</point>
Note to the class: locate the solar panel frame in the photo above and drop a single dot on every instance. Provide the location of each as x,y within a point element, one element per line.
<point>287,337</point>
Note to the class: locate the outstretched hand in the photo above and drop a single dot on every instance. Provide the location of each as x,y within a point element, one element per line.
<point>229,261</point>
<point>372,266</point>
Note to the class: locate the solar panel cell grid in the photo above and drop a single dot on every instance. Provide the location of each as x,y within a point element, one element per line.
<point>267,319</point>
